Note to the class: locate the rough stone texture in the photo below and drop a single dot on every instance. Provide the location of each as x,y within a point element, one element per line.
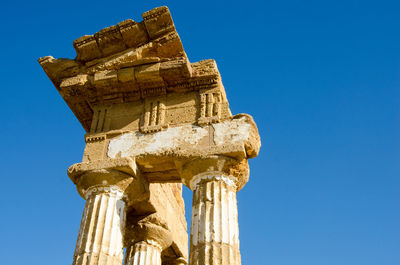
<point>117,172</point>
<point>215,232</point>
<point>144,253</point>
<point>154,121</point>
<point>146,238</point>
<point>102,228</point>
<point>133,61</point>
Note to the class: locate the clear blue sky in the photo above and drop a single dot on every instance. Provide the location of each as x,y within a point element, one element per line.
<point>321,78</point>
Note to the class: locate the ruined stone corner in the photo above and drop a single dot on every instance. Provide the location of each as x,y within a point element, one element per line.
<point>253,143</point>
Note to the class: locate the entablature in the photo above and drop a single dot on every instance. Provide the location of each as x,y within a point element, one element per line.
<point>157,154</point>
<point>134,62</point>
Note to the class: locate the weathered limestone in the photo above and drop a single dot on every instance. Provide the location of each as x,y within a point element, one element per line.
<point>146,240</point>
<point>102,227</point>
<point>215,233</point>
<point>154,121</point>
<point>144,253</point>
<point>100,239</point>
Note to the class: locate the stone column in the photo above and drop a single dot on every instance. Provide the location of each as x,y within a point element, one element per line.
<point>144,253</point>
<point>103,184</point>
<point>100,239</point>
<point>214,235</point>
<point>145,242</point>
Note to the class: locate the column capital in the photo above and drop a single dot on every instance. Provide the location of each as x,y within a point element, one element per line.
<point>109,189</point>
<point>149,230</point>
<point>103,175</point>
<point>216,167</point>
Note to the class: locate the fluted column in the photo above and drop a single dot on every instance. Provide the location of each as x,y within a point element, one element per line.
<point>215,232</point>
<point>144,253</point>
<point>214,238</point>
<point>100,239</point>
<point>145,241</point>
<point>103,184</point>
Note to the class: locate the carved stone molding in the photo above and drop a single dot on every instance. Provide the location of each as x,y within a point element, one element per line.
<point>154,120</point>
<point>99,189</point>
<point>210,107</point>
<point>231,171</point>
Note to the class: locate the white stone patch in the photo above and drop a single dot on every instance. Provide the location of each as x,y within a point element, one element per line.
<point>185,136</point>
<point>231,131</point>
<point>229,180</point>
<point>200,132</point>
<point>133,144</point>
<point>120,145</point>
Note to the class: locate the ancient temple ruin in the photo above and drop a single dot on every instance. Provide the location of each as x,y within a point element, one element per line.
<point>154,120</point>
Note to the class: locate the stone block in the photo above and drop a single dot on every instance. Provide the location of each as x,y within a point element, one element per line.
<point>134,34</point>
<point>172,213</point>
<point>176,69</point>
<point>126,75</point>
<point>78,80</point>
<point>158,21</point>
<point>169,46</point>
<point>105,79</point>
<point>148,73</point>
<point>74,86</point>
<point>110,40</point>
<point>58,69</point>
<point>86,48</point>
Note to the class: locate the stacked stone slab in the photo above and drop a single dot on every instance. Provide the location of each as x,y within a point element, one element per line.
<point>154,120</point>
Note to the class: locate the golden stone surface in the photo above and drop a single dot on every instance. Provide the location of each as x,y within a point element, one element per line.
<point>154,120</point>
